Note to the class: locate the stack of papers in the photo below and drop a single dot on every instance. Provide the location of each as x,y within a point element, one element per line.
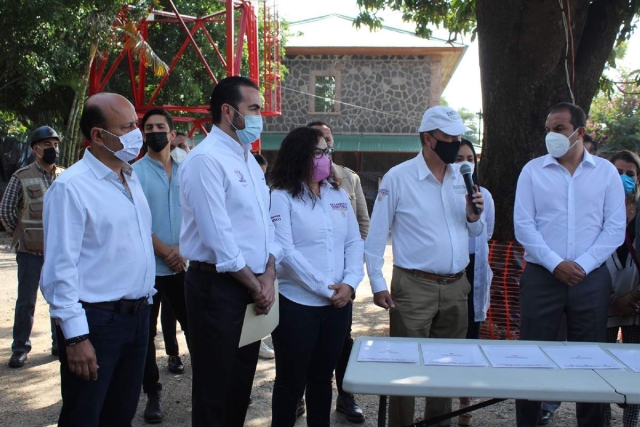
<point>517,356</point>
<point>582,357</point>
<point>452,355</point>
<point>629,357</point>
<point>389,351</point>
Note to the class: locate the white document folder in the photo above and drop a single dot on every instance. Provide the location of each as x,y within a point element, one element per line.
<point>255,326</point>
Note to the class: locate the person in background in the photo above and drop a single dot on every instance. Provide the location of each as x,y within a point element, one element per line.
<point>590,145</point>
<point>321,268</point>
<point>180,147</point>
<point>350,182</point>
<point>158,174</point>
<point>478,271</point>
<point>625,279</point>
<point>266,352</point>
<point>566,242</point>
<point>99,268</point>
<point>21,215</point>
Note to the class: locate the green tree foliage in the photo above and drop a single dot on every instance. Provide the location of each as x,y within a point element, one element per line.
<point>615,120</point>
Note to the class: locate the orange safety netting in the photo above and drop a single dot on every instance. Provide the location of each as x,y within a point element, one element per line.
<point>503,319</point>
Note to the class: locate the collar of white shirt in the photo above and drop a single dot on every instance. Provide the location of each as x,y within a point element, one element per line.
<point>424,171</point>
<point>230,143</point>
<point>550,160</point>
<point>99,169</point>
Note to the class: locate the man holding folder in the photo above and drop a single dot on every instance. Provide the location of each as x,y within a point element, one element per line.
<point>228,237</point>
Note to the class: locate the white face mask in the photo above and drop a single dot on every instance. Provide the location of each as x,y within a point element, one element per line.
<point>131,145</point>
<point>471,165</point>
<point>558,145</point>
<point>178,154</point>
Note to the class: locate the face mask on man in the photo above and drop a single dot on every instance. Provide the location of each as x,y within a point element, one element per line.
<point>178,154</point>
<point>252,128</point>
<point>131,145</point>
<point>447,151</point>
<point>49,155</point>
<point>321,168</point>
<point>628,183</point>
<point>558,145</point>
<point>156,141</point>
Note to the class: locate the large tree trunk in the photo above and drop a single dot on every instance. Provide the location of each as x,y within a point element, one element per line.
<point>522,66</point>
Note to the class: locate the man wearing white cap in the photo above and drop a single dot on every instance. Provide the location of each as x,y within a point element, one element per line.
<point>424,203</point>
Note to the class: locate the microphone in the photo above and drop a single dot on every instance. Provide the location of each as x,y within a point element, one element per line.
<point>465,170</point>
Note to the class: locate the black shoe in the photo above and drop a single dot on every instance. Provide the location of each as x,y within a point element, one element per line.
<point>153,410</point>
<point>54,351</point>
<point>346,404</point>
<point>300,409</point>
<point>545,417</point>
<point>18,359</point>
<point>175,365</point>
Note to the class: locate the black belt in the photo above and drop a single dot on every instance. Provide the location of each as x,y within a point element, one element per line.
<point>204,266</point>
<point>123,306</point>
<point>443,279</point>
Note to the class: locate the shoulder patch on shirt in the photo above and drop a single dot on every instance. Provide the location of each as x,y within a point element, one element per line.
<point>383,192</point>
<point>276,218</point>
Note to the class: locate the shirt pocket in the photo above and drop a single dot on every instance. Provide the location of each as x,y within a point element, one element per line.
<point>35,191</point>
<point>35,210</point>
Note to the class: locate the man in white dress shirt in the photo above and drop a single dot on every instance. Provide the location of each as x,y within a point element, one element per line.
<point>228,237</point>
<point>424,203</point>
<point>570,217</point>
<point>99,269</point>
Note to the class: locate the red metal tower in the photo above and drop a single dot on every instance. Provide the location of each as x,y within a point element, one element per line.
<point>241,25</point>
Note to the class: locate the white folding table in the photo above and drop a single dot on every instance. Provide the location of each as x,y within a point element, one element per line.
<point>497,384</point>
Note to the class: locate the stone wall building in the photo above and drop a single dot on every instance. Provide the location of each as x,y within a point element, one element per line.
<point>370,87</point>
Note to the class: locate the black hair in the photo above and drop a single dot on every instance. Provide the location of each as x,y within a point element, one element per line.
<point>260,159</point>
<point>227,91</point>
<point>319,123</point>
<point>468,143</point>
<point>578,117</point>
<point>92,117</point>
<point>181,134</point>
<point>294,165</point>
<point>156,112</point>
<point>590,140</point>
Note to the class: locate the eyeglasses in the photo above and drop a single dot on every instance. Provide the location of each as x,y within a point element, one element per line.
<point>319,152</point>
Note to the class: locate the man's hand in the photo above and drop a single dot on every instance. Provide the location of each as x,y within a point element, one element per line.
<point>383,299</point>
<point>82,360</point>
<point>569,273</point>
<point>625,305</point>
<point>477,200</point>
<point>342,295</point>
<point>267,295</point>
<point>174,260</point>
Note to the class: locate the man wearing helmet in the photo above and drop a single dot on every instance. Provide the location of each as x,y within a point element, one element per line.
<point>21,215</point>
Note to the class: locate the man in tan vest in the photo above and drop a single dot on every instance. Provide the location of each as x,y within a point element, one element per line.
<point>21,215</point>
<point>350,182</point>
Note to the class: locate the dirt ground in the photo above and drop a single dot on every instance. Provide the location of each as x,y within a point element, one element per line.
<point>30,396</point>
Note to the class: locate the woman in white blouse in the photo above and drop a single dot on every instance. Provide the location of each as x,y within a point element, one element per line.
<point>478,271</point>
<point>322,267</point>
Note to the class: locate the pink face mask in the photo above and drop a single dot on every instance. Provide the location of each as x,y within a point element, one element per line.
<point>321,168</point>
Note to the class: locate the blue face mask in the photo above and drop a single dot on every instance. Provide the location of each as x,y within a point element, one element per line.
<point>252,128</point>
<point>629,184</point>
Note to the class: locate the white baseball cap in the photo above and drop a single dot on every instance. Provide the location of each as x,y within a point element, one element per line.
<point>444,118</point>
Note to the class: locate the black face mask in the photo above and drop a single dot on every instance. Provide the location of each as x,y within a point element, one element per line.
<point>156,141</point>
<point>447,151</point>
<point>49,155</point>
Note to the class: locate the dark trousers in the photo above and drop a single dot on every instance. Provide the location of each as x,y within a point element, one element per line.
<point>473,327</point>
<point>120,342</point>
<point>168,322</point>
<point>29,267</point>
<point>307,342</point>
<point>171,289</point>
<point>543,301</point>
<point>222,372</point>
<point>341,367</point>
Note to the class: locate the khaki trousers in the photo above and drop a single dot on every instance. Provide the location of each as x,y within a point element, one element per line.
<point>425,309</point>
